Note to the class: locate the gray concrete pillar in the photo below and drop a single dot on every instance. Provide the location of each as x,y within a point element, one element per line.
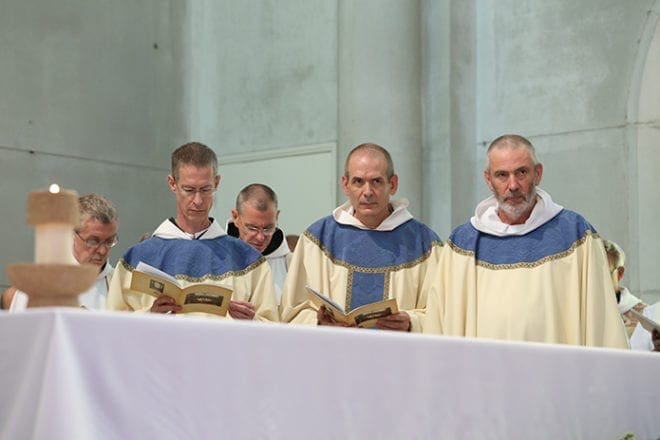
<point>379,100</point>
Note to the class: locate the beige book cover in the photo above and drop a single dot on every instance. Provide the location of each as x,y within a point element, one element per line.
<point>206,298</point>
<point>363,316</point>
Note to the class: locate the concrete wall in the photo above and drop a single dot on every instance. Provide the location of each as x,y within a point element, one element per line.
<point>96,96</point>
<point>560,73</point>
<point>91,96</point>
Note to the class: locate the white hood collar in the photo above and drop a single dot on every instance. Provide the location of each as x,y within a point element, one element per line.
<point>168,230</point>
<point>107,270</point>
<point>627,300</point>
<point>486,220</point>
<point>343,214</point>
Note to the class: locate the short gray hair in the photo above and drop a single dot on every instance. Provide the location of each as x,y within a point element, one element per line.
<point>512,141</point>
<point>96,207</point>
<point>615,255</point>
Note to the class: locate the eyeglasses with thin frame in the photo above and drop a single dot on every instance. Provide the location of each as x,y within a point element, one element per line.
<point>205,191</point>
<point>266,231</point>
<point>93,243</point>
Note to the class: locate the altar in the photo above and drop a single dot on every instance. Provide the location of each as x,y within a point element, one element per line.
<point>68,373</point>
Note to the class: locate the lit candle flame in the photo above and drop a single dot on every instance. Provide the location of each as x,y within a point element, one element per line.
<point>54,188</point>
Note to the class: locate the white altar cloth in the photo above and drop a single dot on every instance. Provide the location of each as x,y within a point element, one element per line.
<point>76,374</point>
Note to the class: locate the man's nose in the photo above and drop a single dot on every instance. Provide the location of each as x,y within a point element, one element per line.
<point>197,198</point>
<point>514,185</point>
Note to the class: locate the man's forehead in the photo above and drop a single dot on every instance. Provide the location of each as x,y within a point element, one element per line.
<point>367,171</point>
<point>192,172</point>
<point>509,158</point>
<point>249,213</point>
<point>94,225</point>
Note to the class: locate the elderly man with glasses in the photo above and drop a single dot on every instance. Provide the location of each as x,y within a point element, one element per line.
<point>254,220</point>
<point>194,249</point>
<point>93,238</point>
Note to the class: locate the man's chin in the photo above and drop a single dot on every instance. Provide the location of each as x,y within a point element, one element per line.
<point>259,248</point>
<point>514,212</point>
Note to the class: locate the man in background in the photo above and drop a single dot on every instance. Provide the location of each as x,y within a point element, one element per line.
<point>626,301</point>
<point>254,221</point>
<point>93,238</point>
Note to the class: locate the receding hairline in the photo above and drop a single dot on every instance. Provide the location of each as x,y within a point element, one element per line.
<point>258,195</point>
<point>373,150</point>
<point>512,141</point>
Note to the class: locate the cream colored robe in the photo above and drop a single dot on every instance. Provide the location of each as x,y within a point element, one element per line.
<point>550,284</point>
<point>336,257</point>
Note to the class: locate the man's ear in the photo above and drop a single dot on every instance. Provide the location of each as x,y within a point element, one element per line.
<point>539,173</point>
<point>344,184</point>
<point>217,181</point>
<point>234,215</point>
<point>394,184</point>
<point>171,182</point>
<point>487,179</point>
<point>620,272</point>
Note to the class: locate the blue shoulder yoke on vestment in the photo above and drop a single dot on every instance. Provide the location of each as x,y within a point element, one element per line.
<point>558,235</point>
<point>194,258</point>
<point>370,248</point>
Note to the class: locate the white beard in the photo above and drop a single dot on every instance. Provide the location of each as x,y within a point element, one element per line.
<point>517,211</point>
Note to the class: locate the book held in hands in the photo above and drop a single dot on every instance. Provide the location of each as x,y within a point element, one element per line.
<point>363,316</point>
<point>202,297</point>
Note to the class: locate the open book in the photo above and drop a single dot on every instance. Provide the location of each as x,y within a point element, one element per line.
<point>363,316</point>
<point>646,322</point>
<point>207,298</point>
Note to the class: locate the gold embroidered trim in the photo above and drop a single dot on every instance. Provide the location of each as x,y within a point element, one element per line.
<point>386,285</point>
<point>349,291</point>
<point>233,273</point>
<point>526,265</point>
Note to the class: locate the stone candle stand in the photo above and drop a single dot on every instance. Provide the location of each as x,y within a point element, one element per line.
<point>55,278</point>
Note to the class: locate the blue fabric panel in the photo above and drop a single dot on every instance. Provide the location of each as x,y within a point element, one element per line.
<point>367,288</point>
<point>555,236</point>
<point>373,249</point>
<point>193,258</point>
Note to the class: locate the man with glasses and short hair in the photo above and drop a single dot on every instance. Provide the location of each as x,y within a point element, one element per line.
<point>254,220</point>
<point>93,238</point>
<point>194,248</point>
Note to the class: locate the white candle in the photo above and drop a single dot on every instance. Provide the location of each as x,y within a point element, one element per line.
<point>54,213</point>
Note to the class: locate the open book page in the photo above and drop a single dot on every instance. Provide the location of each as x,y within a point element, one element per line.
<point>147,268</point>
<point>645,321</point>
<point>363,316</point>
<point>202,297</point>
